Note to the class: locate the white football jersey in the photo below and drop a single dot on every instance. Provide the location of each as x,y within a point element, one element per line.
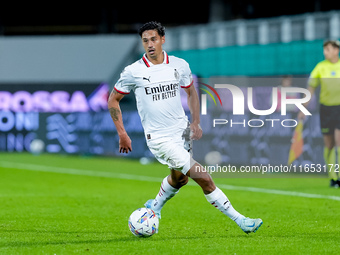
<point>157,91</point>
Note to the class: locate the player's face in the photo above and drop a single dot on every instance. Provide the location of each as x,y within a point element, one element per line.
<point>152,43</point>
<point>330,52</point>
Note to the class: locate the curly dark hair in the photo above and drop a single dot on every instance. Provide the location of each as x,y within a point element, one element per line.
<point>152,25</point>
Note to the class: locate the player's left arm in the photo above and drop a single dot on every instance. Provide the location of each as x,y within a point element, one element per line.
<point>194,106</point>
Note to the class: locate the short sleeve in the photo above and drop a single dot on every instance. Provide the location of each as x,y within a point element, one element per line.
<point>314,78</point>
<point>125,83</point>
<point>185,76</point>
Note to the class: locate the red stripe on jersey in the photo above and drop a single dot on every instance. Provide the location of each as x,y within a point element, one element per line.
<point>121,92</point>
<point>145,61</point>
<point>185,87</point>
<point>167,58</point>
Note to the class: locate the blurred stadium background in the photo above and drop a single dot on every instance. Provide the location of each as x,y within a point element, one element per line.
<point>58,65</point>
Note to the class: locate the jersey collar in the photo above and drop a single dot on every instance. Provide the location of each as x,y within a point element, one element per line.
<point>148,63</point>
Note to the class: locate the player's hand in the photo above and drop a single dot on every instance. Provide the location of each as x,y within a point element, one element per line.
<point>196,131</point>
<point>124,143</point>
<point>301,116</point>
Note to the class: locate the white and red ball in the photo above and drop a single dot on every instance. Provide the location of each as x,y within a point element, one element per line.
<point>143,222</point>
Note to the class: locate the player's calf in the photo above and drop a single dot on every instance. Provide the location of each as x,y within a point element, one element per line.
<point>177,180</point>
<point>202,178</point>
<point>206,183</point>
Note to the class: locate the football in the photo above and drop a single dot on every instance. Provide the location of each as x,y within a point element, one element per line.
<point>143,222</point>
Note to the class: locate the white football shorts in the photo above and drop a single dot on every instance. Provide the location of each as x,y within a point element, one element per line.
<point>174,151</point>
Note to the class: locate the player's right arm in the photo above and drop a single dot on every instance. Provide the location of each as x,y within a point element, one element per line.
<point>313,83</point>
<point>116,115</point>
<point>123,86</point>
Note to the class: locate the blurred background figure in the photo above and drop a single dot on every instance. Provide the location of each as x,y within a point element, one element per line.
<point>326,74</point>
<point>286,81</point>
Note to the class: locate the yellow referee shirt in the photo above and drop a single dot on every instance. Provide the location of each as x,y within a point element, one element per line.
<point>327,74</point>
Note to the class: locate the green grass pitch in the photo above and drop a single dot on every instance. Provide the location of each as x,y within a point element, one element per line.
<point>53,204</point>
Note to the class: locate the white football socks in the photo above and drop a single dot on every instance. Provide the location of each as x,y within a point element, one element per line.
<point>165,193</point>
<point>218,199</point>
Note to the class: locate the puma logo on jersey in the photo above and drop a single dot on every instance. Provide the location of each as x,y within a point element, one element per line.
<point>148,79</point>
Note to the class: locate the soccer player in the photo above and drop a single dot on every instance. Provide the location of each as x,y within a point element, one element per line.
<point>327,74</point>
<point>156,80</point>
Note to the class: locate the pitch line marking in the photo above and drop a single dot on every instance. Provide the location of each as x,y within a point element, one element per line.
<point>74,171</point>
